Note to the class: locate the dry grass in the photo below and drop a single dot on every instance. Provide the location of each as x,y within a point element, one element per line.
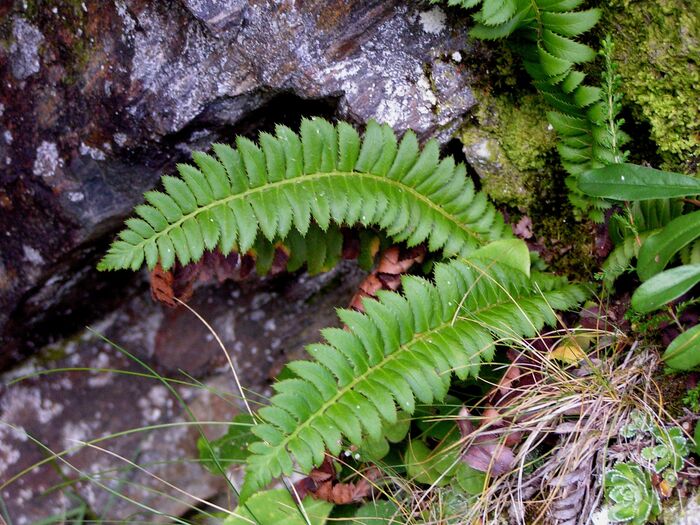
<point>567,420</point>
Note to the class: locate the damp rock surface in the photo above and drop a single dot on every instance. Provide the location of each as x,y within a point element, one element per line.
<point>103,398</point>
<point>100,98</point>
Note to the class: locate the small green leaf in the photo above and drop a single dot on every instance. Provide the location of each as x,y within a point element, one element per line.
<point>657,250</point>
<point>631,182</point>
<point>397,431</point>
<point>508,252</point>
<point>380,512</point>
<point>470,480</point>
<point>665,287</point>
<point>684,353</point>
<point>419,463</point>
<point>232,447</point>
<point>276,507</point>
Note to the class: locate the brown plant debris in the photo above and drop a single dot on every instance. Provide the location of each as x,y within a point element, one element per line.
<point>322,484</point>
<point>387,275</point>
<point>550,423</point>
<point>213,267</point>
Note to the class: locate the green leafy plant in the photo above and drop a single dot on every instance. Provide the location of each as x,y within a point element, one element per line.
<point>327,174</point>
<point>675,237</point>
<point>374,513</point>
<point>657,230</point>
<point>632,495</point>
<point>585,117</point>
<point>684,351</point>
<point>692,399</point>
<point>670,451</point>
<point>638,424</point>
<point>276,507</point>
<point>406,346</point>
<point>229,449</point>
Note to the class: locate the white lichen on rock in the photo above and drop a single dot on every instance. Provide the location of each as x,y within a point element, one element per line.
<point>433,21</point>
<point>32,255</point>
<point>47,160</point>
<point>24,51</point>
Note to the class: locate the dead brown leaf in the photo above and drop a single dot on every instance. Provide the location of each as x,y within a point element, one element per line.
<point>322,484</point>
<point>387,275</point>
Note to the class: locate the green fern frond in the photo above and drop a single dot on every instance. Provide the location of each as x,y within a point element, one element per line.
<point>584,117</point>
<point>620,259</point>
<point>402,350</point>
<point>629,230</point>
<point>327,174</point>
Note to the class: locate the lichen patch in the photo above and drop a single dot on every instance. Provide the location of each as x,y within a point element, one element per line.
<point>47,160</point>
<point>24,51</point>
<point>433,21</point>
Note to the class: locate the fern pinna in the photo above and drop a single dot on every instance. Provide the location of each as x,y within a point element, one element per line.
<point>584,116</point>
<point>326,173</point>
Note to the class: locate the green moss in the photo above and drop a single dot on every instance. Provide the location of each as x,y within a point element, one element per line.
<point>511,146</point>
<point>658,49</point>
<point>65,24</point>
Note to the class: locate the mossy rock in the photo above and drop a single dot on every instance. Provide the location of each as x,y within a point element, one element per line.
<point>510,145</point>
<point>658,50</point>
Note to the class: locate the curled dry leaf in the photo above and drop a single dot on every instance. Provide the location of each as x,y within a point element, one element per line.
<point>387,275</point>
<point>486,453</point>
<point>322,484</point>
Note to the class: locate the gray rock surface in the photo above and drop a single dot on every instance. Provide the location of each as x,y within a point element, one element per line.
<point>100,97</point>
<point>60,405</point>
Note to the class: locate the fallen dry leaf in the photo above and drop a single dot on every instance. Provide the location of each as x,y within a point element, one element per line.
<point>523,228</point>
<point>322,484</point>
<point>486,453</point>
<point>387,275</point>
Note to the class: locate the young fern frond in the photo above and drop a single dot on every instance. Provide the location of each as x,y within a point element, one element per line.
<point>629,230</point>
<point>584,116</point>
<point>327,174</point>
<point>402,350</point>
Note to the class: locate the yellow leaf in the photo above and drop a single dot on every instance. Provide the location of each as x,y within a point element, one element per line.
<point>572,349</point>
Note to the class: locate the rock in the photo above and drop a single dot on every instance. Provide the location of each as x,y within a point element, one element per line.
<point>99,98</point>
<point>509,146</point>
<point>258,322</point>
<point>657,47</point>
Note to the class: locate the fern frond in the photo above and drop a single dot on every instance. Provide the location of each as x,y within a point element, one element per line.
<point>402,350</point>
<point>585,117</point>
<point>327,174</point>
<point>620,259</point>
<point>629,230</point>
